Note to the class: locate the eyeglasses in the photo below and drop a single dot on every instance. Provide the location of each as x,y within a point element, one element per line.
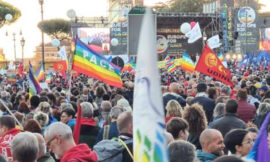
<point>49,142</point>
<point>249,141</point>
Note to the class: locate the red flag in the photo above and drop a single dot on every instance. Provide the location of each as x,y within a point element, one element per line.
<point>210,65</point>
<point>77,128</point>
<point>60,66</point>
<point>20,69</point>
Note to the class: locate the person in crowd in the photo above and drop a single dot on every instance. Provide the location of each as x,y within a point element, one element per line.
<point>239,142</point>
<point>24,147</point>
<point>7,133</point>
<point>262,111</point>
<point>89,128</point>
<point>212,145</point>
<point>59,140</point>
<point>110,131</point>
<point>34,102</point>
<point>43,155</point>
<point>52,100</point>
<point>182,151</point>
<point>32,126</point>
<point>23,108</point>
<point>219,111</point>
<point>125,128</point>
<point>178,127</point>
<point>124,104</point>
<point>226,91</point>
<point>245,111</point>
<point>174,109</point>
<point>212,93</point>
<point>174,93</point>
<point>42,119</point>
<point>262,91</point>
<point>196,119</point>
<point>230,158</point>
<point>230,120</point>
<point>253,132</point>
<point>188,100</point>
<point>202,98</point>
<point>105,111</point>
<point>68,117</point>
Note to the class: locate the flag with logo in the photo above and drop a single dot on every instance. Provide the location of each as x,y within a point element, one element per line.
<point>209,64</point>
<point>61,67</point>
<point>149,143</point>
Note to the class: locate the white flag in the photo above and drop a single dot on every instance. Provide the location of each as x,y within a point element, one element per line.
<point>148,116</point>
<point>194,34</point>
<point>62,53</point>
<point>213,42</point>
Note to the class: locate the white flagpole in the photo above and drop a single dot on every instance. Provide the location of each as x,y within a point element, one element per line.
<point>2,102</point>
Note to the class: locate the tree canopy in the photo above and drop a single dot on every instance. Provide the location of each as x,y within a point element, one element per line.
<point>56,28</point>
<point>180,6</point>
<point>6,8</point>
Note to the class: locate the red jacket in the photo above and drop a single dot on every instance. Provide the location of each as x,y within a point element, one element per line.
<point>5,142</point>
<point>80,153</point>
<point>245,111</point>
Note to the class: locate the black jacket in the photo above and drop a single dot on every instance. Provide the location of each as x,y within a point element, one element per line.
<point>173,96</point>
<point>228,122</point>
<point>207,104</point>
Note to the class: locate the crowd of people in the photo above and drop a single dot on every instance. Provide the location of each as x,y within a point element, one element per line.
<point>205,119</point>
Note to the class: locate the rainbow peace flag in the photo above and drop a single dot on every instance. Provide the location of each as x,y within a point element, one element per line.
<point>187,63</point>
<point>40,73</point>
<point>94,65</point>
<point>129,66</point>
<point>170,65</point>
<point>34,87</point>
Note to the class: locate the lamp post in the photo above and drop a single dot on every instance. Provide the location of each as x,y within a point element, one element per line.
<point>22,44</point>
<point>41,2</point>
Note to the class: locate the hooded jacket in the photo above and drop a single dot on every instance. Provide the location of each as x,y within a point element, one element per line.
<point>5,142</point>
<point>80,153</point>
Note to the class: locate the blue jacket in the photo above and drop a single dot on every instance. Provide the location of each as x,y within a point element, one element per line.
<point>205,157</point>
<point>113,132</point>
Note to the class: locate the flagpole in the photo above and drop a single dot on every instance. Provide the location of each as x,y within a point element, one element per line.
<point>2,102</point>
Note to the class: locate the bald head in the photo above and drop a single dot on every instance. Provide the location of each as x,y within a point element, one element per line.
<point>211,141</point>
<point>174,87</point>
<point>208,135</point>
<point>124,122</point>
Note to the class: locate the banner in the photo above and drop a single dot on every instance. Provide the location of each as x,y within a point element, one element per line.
<point>209,64</point>
<point>213,42</point>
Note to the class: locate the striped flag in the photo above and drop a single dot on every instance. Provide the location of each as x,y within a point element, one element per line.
<point>129,66</point>
<point>170,65</point>
<point>187,63</point>
<point>34,87</point>
<point>148,117</point>
<point>40,74</point>
<point>92,64</point>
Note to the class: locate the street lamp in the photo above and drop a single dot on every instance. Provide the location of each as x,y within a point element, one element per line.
<point>41,2</point>
<point>22,44</point>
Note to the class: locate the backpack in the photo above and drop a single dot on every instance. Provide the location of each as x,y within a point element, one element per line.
<point>111,150</point>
